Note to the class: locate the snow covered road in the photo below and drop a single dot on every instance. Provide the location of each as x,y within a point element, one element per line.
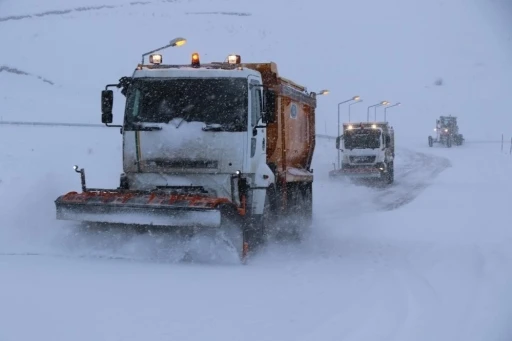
<point>435,268</point>
<point>415,172</point>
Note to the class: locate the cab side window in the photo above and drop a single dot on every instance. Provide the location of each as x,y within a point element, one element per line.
<point>255,104</point>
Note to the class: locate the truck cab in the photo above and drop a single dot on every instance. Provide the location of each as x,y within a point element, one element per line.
<point>195,127</point>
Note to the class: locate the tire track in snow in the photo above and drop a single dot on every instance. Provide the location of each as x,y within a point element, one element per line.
<point>394,301</point>
<point>240,14</point>
<point>411,179</point>
<point>460,271</point>
<point>405,302</point>
<point>59,12</point>
<point>106,7</point>
<point>493,292</point>
<point>423,302</point>
<point>354,315</point>
<point>13,70</point>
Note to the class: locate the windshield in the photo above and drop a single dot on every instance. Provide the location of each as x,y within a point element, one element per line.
<point>222,101</point>
<point>446,121</point>
<point>362,139</point>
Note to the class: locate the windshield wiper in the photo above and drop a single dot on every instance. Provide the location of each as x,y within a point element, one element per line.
<point>140,127</point>
<point>214,127</point>
<point>235,126</point>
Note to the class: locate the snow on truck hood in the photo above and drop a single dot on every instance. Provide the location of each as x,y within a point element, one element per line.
<point>219,150</point>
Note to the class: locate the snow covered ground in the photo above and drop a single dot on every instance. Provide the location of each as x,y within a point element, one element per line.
<point>426,259</point>
<point>437,267</point>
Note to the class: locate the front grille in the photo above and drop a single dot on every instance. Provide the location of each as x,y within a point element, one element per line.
<point>362,159</point>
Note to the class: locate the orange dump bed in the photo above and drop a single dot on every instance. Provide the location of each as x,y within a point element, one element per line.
<point>291,138</point>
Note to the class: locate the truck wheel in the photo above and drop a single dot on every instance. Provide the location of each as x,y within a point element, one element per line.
<point>430,141</point>
<point>307,193</point>
<point>258,230</point>
<point>300,213</point>
<point>390,175</point>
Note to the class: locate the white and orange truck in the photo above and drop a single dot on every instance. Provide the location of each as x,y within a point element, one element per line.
<point>205,144</point>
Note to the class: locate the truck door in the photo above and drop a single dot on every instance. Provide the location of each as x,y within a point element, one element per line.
<point>257,130</point>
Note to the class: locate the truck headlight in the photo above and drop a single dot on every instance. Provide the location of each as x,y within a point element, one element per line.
<point>155,59</point>
<point>380,166</point>
<point>234,59</point>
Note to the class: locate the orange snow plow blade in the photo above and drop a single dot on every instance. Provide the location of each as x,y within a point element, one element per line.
<point>157,208</point>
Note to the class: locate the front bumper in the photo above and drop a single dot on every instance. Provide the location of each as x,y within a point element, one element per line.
<point>363,171</point>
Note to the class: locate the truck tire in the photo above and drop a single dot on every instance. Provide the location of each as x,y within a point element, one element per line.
<point>307,192</point>
<point>257,230</point>
<point>301,211</point>
<point>390,175</point>
<point>430,141</point>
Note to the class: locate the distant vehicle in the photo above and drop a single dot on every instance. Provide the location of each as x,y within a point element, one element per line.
<point>447,132</point>
<point>368,151</point>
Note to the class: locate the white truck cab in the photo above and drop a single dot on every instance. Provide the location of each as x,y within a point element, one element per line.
<point>367,151</point>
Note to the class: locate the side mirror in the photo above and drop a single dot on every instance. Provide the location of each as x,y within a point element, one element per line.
<point>269,114</point>
<point>388,140</point>
<point>338,141</point>
<point>107,103</point>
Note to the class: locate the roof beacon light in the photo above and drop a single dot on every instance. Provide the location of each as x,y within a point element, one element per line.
<point>155,59</point>
<point>234,59</point>
<point>195,60</point>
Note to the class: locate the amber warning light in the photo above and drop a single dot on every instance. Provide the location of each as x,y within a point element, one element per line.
<point>195,60</point>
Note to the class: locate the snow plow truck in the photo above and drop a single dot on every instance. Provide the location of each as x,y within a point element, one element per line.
<point>368,152</point>
<point>205,145</point>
